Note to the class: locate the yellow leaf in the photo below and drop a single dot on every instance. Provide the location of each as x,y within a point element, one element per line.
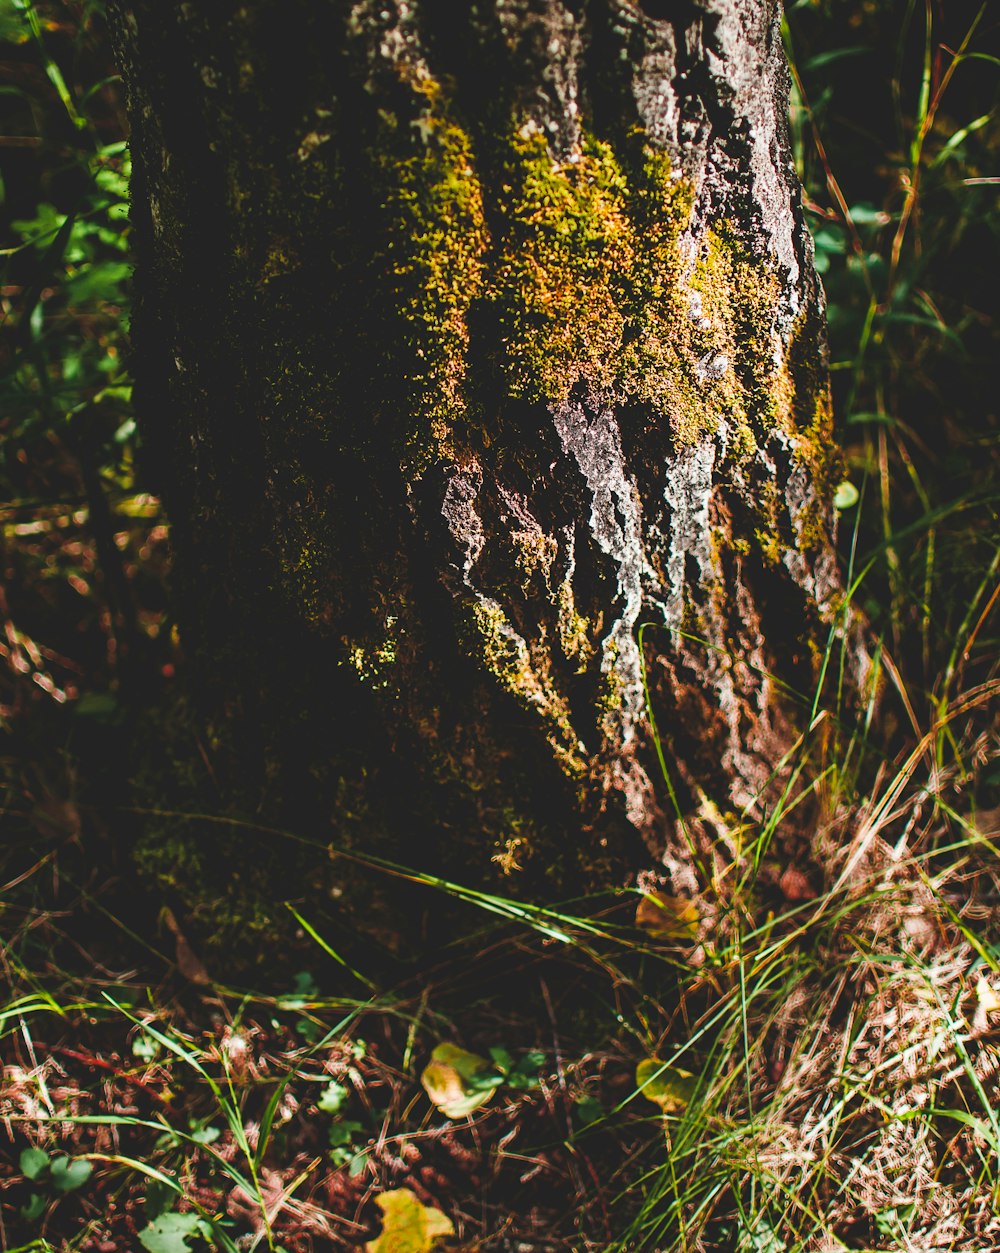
<point>667,917</point>
<point>407,1225</point>
<point>988,1000</point>
<point>458,1081</point>
<point>667,1086</point>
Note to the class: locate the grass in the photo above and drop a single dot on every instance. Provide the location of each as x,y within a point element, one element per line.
<point>825,1010</point>
<point>842,1038</point>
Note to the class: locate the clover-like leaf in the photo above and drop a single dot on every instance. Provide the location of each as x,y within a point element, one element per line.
<point>667,917</point>
<point>69,1173</point>
<point>525,1073</point>
<point>667,1086</point>
<point>343,1131</point>
<point>458,1081</point>
<point>586,1110</point>
<point>34,1163</point>
<point>407,1225</point>
<point>170,1233</point>
<point>34,1207</point>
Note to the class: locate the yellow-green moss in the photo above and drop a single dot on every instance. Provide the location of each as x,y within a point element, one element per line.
<point>558,286</point>
<point>573,629</point>
<point>585,283</point>
<point>590,286</point>
<point>373,660</point>
<point>304,574</point>
<point>770,541</point>
<point>525,676</point>
<point>610,693</point>
<point>281,258</point>
<point>436,240</point>
<point>534,553</point>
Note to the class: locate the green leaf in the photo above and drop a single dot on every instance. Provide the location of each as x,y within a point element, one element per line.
<point>69,1173</point>
<point>170,1233</point>
<point>34,1163</point>
<point>310,1031</point>
<point>829,242</point>
<point>834,54</point>
<point>893,1222</point>
<point>342,1133</point>
<point>102,707</point>
<point>487,1080</point>
<point>205,1135</point>
<point>502,1059</point>
<point>158,1200</point>
<point>868,215</point>
<point>587,1110</point>
<point>332,1097</point>
<point>407,1225</point>
<point>667,1086</point>
<point>305,984</point>
<point>34,1207</point>
<point>100,280</point>
<point>759,1236</point>
<point>13,28</point>
<point>458,1081</point>
<point>146,1047</point>
<point>845,496</point>
<point>525,1073</point>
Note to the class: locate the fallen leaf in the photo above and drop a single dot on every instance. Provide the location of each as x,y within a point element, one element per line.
<point>667,1086</point>
<point>795,886</point>
<point>988,1000</point>
<point>55,817</point>
<point>407,1225</point>
<point>667,917</point>
<point>458,1081</point>
<point>188,961</point>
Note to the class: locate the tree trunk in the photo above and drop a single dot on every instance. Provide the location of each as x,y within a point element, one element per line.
<point>468,339</point>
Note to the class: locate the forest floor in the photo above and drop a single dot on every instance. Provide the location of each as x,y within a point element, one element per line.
<point>811,1066</point>
<point>800,1057</point>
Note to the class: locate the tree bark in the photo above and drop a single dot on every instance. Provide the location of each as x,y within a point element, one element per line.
<point>469,338</point>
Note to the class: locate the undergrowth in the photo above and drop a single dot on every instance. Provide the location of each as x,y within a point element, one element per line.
<point>797,1057</point>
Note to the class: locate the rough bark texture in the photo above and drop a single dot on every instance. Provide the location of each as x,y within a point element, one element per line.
<point>469,337</point>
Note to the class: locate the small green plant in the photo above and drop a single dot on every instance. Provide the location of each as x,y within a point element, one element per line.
<point>52,1176</point>
<point>459,1082</point>
<point>171,1232</point>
